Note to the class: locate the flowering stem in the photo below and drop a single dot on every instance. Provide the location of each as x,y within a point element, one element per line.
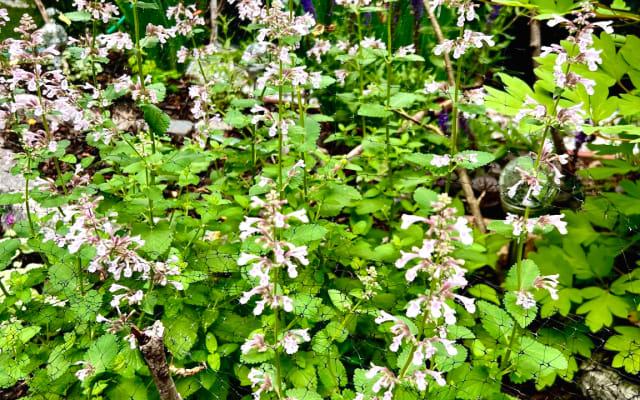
<point>136,28</point>
<point>93,47</point>
<point>280,139</point>
<point>48,131</point>
<point>26,195</point>
<point>204,76</point>
<point>522,239</point>
<point>360,70</point>
<point>302,111</point>
<point>455,127</point>
<point>420,332</point>
<point>388,103</point>
<point>276,233</point>
<point>275,335</point>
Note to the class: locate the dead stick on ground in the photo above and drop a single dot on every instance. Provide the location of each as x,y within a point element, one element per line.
<point>151,345</point>
<point>465,182</point>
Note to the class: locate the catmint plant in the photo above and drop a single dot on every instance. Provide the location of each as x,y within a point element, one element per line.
<point>433,311</point>
<point>265,269</point>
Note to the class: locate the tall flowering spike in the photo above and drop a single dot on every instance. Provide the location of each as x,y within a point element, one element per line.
<point>443,275</point>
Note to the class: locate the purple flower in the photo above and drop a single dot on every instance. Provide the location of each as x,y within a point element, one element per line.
<point>418,11</point>
<point>367,18</point>
<point>443,120</point>
<point>307,6</point>
<point>10,220</point>
<point>493,16</point>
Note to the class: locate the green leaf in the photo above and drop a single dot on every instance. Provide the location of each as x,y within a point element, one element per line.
<point>146,6</point>
<point>445,362</point>
<point>475,159</point>
<point>337,370</point>
<point>626,205</point>
<point>305,234</point>
<point>522,316</point>
<point>181,333</point>
<point>467,383</point>
<point>213,361</point>
<point>537,360</point>
<point>86,306</point>
<point>486,292</point>
<point>128,388</point>
<point>424,197</point>
<point>423,160</point>
<point>11,198</point>
<point>495,321</point>
<point>254,356</point>
<point>529,273</point>
<point>102,353</point>
<point>157,119</point>
<point>8,250</point>
<point>602,307</point>
<point>304,378</point>
<point>303,394</point>
<point>403,100</point>
<point>627,347</point>
<point>334,197</point>
<point>211,342</point>
<point>59,362</point>
<point>501,227</point>
<point>157,240</point>
<point>373,111</point>
<point>63,279</point>
<point>630,50</point>
<point>78,16</point>
<point>340,300</point>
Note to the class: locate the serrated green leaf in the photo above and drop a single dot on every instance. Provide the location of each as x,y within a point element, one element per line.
<point>536,359</point>
<point>340,300</point>
<point>8,250</point>
<point>495,321</point>
<point>11,198</point>
<point>181,333</point>
<point>102,353</point>
<point>424,197</point>
<point>529,273</point>
<point>157,119</point>
<point>373,111</point>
